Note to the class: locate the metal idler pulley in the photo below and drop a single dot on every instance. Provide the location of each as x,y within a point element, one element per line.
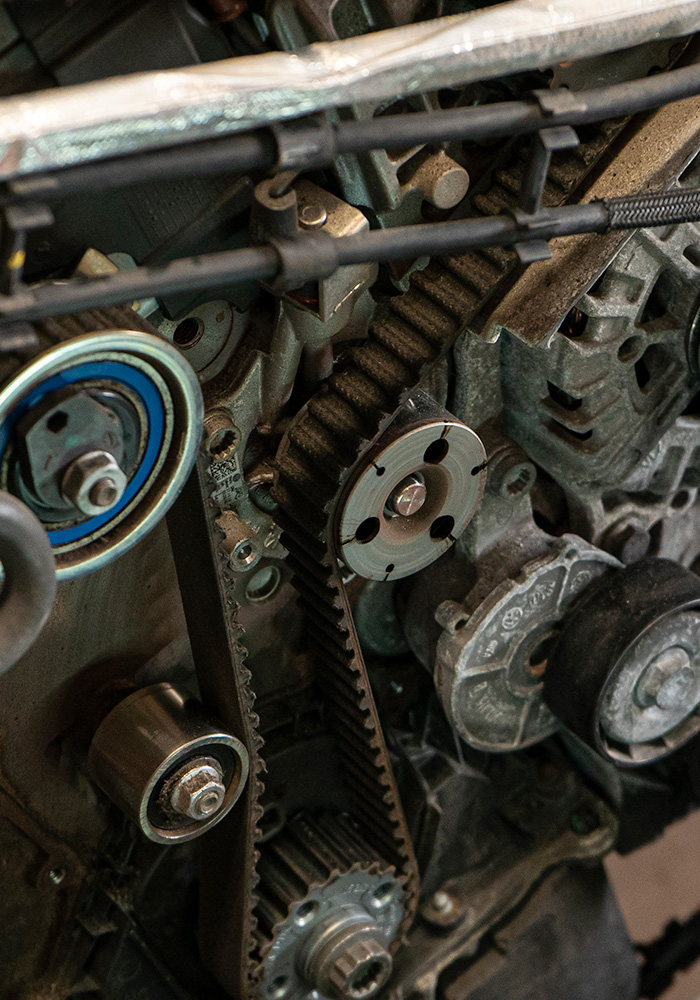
<point>167,765</point>
<point>414,494</point>
<point>626,675</point>
<point>97,436</point>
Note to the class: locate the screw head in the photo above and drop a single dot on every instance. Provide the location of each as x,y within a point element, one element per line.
<point>408,497</point>
<point>443,910</point>
<point>511,473</point>
<point>93,482</point>
<point>197,790</point>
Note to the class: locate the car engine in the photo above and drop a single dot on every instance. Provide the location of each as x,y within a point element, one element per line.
<point>350,494</point>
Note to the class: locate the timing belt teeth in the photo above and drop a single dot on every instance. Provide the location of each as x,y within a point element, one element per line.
<point>229,865</point>
<point>314,463</point>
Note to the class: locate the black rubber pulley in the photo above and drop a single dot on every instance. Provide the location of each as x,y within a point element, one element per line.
<point>625,675</point>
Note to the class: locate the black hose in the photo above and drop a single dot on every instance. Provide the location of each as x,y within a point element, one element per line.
<point>314,255</point>
<point>29,584</point>
<point>260,149</point>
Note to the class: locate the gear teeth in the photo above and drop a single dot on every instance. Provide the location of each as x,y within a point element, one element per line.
<point>340,419</point>
<point>309,852</point>
<point>424,315</point>
<point>413,352</point>
<point>365,396</point>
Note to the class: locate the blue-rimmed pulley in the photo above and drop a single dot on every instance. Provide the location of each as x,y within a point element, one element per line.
<point>97,436</point>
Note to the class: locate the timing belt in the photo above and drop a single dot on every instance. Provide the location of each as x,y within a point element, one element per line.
<point>229,855</point>
<point>322,448</point>
<point>316,459</point>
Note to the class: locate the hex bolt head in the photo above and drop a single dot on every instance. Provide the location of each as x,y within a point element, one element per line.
<point>408,497</point>
<point>443,910</point>
<point>197,790</point>
<point>93,483</point>
<point>669,681</point>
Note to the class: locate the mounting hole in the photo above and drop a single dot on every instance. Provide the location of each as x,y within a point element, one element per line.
<point>383,895</point>
<point>263,584</point>
<point>244,553</point>
<point>630,349</point>
<point>537,661</point>
<point>436,452</point>
<point>680,499</point>
<point>460,623</point>
<point>477,470</point>
<point>441,527</point>
<point>389,568</point>
<point>188,333</point>
<point>305,913</point>
<point>278,987</point>
<point>57,422</point>
<point>368,530</point>
<point>380,470</point>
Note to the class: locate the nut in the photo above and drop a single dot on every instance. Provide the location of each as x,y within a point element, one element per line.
<point>93,483</point>
<point>197,790</point>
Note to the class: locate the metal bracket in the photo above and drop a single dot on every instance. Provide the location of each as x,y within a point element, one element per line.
<point>544,143</point>
<point>559,102</point>
<point>304,144</point>
<point>17,221</point>
<point>529,213</point>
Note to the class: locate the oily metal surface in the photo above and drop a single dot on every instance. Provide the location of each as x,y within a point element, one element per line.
<point>120,115</point>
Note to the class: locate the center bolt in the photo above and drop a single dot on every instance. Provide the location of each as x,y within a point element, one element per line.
<point>408,497</point>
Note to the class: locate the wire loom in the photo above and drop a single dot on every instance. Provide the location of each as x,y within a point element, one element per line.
<point>310,143</point>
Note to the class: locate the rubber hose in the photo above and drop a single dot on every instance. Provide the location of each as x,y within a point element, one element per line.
<point>29,585</point>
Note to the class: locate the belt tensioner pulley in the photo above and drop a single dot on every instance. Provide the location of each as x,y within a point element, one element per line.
<point>97,436</point>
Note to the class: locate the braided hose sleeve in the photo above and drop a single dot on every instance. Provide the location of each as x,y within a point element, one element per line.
<point>647,211</point>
